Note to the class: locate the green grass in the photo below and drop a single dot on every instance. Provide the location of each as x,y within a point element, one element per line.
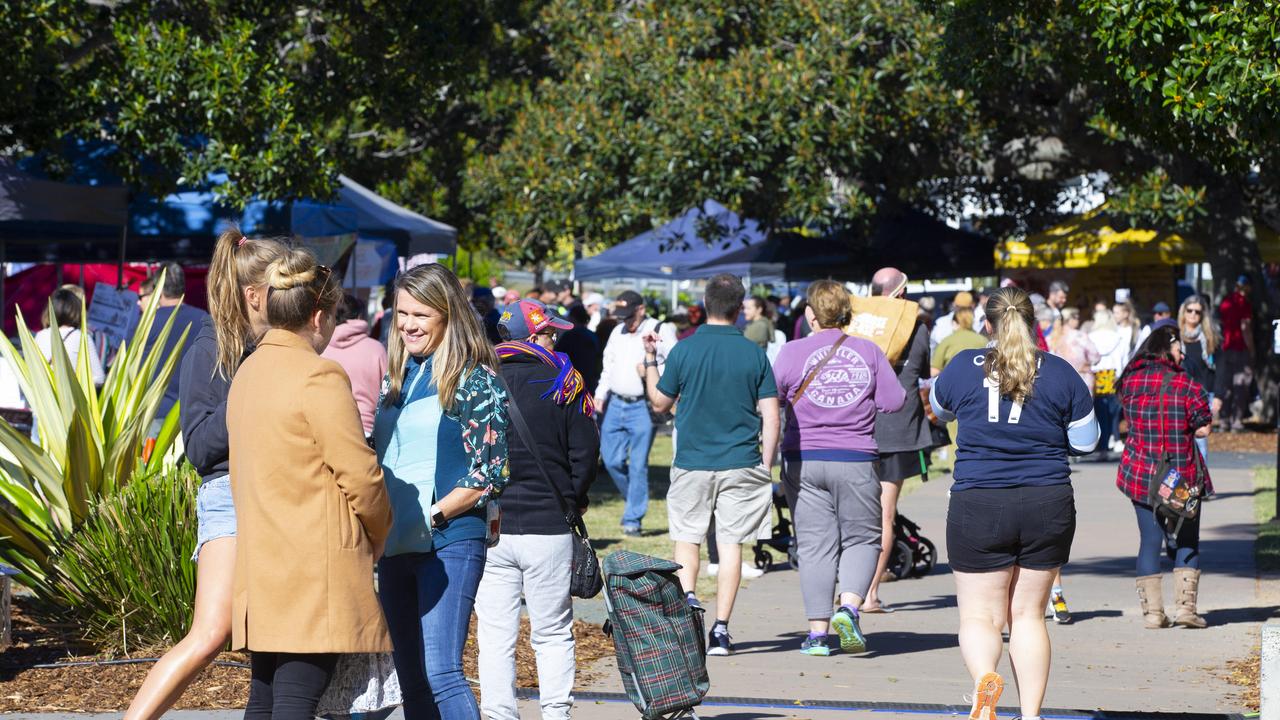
<point>1267,549</point>
<point>604,519</point>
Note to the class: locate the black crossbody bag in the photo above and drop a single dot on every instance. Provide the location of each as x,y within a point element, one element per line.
<point>585,579</point>
<point>1172,497</point>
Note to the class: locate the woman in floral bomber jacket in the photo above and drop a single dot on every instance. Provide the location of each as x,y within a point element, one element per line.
<point>1167,410</point>
<point>441,436</point>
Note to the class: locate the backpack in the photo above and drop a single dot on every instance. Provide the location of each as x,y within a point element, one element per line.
<point>657,636</point>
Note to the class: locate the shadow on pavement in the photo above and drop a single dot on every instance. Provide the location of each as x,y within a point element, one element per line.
<point>1086,616</point>
<point>937,602</point>
<point>1230,616</point>
<point>787,642</point>
<point>890,643</point>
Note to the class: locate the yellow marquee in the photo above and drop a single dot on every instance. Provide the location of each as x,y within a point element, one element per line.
<point>1089,241</point>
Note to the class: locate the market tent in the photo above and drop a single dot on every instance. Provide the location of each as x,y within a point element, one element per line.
<point>909,240</point>
<point>379,218</point>
<point>675,250</point>
<point>1091,241</point>
<point>185,225</point>
<point>43,221</point>
<point>29,290</point>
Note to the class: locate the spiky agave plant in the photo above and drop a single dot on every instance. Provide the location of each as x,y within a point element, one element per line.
<point>90,440</point>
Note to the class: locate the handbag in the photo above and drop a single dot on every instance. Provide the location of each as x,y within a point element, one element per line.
<point>585,579</point>
<point>1174,498</point>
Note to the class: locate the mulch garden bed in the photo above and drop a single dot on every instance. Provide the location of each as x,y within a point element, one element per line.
<point>104,688</point>
<point>1243,442</point>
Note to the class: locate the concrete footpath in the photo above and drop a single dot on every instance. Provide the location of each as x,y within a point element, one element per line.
<point>1104,661</point>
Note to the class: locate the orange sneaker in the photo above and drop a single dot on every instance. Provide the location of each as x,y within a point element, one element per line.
<point>985,696</point>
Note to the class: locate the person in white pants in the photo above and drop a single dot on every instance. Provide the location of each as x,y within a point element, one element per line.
<point>538,566</point>
<point>552,460</point>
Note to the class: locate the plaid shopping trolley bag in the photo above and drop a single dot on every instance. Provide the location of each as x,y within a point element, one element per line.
<point>658,637</point>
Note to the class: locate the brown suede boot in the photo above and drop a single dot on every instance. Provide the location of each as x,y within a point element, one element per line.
<point>1151,594</point>
<point>1187,584</point>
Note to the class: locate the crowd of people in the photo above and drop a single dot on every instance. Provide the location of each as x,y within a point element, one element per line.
<point>333,449</point>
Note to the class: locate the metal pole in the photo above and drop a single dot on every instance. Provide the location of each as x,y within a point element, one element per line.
<point>4,272</point>
<point>124,239</point>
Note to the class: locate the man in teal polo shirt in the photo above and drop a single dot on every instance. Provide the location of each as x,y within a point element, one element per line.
<point>728,399</point>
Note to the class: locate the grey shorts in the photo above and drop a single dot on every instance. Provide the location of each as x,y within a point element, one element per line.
<point>740,500</point>
<point>215,512</point>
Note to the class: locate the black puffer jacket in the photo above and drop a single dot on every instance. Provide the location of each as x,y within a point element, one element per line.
<point>566,440</point>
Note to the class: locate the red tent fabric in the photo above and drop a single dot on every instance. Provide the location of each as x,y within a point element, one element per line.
<point>31,288</point>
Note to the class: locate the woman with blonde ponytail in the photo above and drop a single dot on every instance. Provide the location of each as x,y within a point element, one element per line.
<point>238,317</point>
<point>441,436</point>
<point>312,509</point>
<point>1011,518</point>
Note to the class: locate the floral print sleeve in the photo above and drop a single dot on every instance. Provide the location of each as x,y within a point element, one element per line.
<point>481,407</point>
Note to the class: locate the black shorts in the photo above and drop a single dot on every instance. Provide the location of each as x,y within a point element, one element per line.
<point>995,528</point>
<point>898,466</point>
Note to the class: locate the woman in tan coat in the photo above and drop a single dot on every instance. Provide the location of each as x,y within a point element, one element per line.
<point>311,505</point>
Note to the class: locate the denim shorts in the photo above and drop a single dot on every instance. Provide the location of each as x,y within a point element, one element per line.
<point>215,513</point>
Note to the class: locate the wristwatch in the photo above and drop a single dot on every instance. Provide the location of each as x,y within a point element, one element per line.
<point>651,363</point>
<point>437,517</point>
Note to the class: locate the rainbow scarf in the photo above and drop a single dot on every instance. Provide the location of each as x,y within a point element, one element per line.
<point>568,384</point>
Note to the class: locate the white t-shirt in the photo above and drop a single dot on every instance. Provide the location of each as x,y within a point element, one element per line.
<point>624,352</point>
<point>71,341</point>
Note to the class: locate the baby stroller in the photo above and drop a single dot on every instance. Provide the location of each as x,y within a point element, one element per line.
<point>913,554</point>
<point>782,538</point>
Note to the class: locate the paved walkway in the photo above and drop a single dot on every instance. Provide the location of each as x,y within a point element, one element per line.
<point>1105,660</point>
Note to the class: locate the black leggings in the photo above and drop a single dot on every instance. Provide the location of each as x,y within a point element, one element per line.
<point>287,686</point>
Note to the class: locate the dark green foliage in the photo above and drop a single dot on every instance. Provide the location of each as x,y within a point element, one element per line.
<point>126,578</point>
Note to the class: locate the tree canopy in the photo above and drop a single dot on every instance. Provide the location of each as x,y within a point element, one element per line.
<point>538,123</point>
<point>811,112</point>
<point>280,96</point>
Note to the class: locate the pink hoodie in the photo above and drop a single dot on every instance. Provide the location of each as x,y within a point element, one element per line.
<point>365,361</point>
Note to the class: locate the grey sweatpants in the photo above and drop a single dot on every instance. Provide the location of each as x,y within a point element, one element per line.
<point>836,510</point>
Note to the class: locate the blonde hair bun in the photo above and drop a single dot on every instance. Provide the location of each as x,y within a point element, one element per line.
<point>296,267</point>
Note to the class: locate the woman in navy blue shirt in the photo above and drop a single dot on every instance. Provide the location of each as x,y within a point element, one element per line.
<point>1012,515</point>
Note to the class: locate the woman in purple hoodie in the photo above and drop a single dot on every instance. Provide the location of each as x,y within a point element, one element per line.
<point>363,357</point>
<point>833,386</point>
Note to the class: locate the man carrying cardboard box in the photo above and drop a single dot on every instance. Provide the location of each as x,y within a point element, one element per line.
<point>903,438</point>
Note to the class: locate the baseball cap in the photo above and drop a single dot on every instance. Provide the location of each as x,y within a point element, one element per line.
<point>499,292</point>
<point>625,306</point>
<point>1164,323</point>
<point>1244,280</point>
<point>528,317</point>
<point>593,299</point>
<point>963,299</point>
<point>558,286</point>
<point>1161,307</point>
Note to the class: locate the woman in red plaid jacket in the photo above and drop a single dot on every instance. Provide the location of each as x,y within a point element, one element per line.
<point>1167,410</point>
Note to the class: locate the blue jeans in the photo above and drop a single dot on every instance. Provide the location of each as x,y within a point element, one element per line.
<point>427,598</point>
<point>1183,549</point>
<point>625,438</point>
<point>1107,410</point>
